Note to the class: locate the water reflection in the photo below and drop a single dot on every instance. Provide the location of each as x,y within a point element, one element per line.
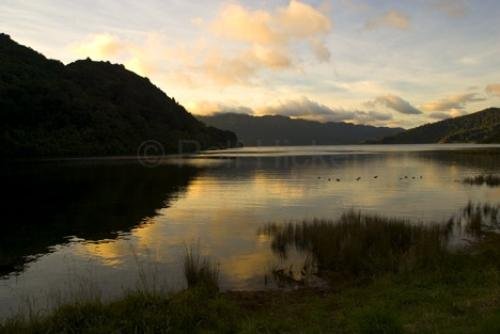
<point>48,205</point>
<point>105,220</point>
<point>477,160</point>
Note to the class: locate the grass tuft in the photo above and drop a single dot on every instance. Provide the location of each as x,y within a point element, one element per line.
<point>200,271</point>
<point>363,246</point>
<point>489,180</point>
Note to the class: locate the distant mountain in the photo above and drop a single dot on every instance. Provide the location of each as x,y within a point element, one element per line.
<point>87,108</point>
<point>479,127</point>
<point>281,130</point>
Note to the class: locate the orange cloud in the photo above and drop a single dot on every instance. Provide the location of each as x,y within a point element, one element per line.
<point>105,46</point>
<point>493,89</point>
<point>452,103</point>
<point>236,22</point>
<point>295,21</point>
<point>244,43</point>
<point>300,20</point>
<point>268,35</point>
<point>100,46</point>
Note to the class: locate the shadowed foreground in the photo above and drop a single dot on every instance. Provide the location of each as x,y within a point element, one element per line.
<point>385,276</point>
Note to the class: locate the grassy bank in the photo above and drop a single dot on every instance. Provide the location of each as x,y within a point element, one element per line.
<point>385,276</point>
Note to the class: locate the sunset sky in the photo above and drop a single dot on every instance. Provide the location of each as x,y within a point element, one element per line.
<point>397,63</point>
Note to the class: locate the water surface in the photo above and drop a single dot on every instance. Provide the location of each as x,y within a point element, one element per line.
<point>84,227</point>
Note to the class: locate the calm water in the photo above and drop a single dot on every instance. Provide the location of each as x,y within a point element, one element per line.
<point>83,227</point>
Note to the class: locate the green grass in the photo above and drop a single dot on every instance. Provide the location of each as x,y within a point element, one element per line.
<point>456,291</point>
<point>188,311</point>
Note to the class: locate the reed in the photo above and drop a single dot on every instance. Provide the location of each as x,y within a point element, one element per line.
<point>363,245</point>
<point>489,180</point>
<point>200,271</point>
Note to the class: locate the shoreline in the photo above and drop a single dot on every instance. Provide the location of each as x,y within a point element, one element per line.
<point>405,280</point>
<point>264,151</point>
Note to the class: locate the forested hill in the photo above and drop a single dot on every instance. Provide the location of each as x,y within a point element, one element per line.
<point>479,127</point>
<point>87,108</point>
<point>281,130</point>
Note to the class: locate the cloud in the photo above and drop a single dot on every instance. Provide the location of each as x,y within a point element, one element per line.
<point>237,23</point>
<point>391,19</point>
<point>370,117</point>
<point>302,108</point>
<point>452,8</point>
<point>305,108</point>
<point>439,115</point>
<point>295,21</point>
<point>263,41</point>
<point>100,46</point>
<point>234,47</point>
<point>320,50</point>
<point>140,66</point>
<point>469,60</point>
<point>212,108</point>
<point>105,46</point>
<point>269,35</point>
<point>457,112</point>
<point>395,103</point>
<point>272,58</point>
<point>300,20</point>
<point>493,89</point>
<point>227,71</point>
<point>456,102</point>
<point>197,21</point>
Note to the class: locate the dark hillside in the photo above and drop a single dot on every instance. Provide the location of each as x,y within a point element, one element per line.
<point>479,127</point>
<point>87,108</point>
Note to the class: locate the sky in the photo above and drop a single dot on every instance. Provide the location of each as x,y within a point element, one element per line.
<point>386,63</point>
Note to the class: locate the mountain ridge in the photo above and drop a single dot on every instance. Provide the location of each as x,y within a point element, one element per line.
<point>282,130</point>
<point>479,127</point>
<point>87,108</point>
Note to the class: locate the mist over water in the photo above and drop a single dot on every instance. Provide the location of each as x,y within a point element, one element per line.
<point>85,227</point>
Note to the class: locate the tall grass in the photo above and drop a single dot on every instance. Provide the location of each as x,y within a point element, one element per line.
<point>200,271</point>
<point>366,245</point>
<point>478,219</point>
<point>489,180</point>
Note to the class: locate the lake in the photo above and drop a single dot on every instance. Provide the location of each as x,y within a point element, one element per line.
<point>79,228</point>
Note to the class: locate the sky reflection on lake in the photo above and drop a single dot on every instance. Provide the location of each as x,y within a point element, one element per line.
<point>110,221</point>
